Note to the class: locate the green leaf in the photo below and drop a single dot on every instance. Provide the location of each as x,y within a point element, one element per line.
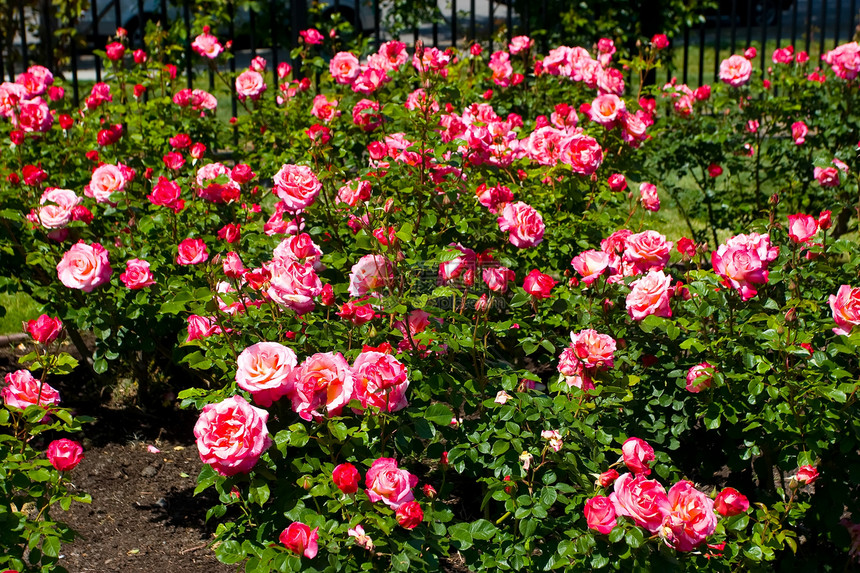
<point>548,495</point>
<point>439,414</point>
<point>51,546</point>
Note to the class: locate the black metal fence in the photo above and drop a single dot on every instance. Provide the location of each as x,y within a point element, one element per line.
<point>814,26</point>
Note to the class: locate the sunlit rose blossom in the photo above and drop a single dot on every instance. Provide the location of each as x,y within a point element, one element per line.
<point>649,198</point>
<point>323,385</point>
<point>592,349</point>
<point>538,284</point>
<point>605,109</point>
<point>264,369</point>
<point>380,381</point>
<point>742,262</point>
<point>690,518</point>
<point>799,132</point>
<point>299,248</point>
<point>497,278</point>
<point>57,207</point>
<point>214,184</point>
<point>844,60</point>
<point>582,153</point>
<point>365,116</point>
<point>137,274</point>
<point>232,435</point>
<point>699,377</point>
<point>387,483</point>
<point>648,250</point>
<point>731,502</point>
<point>523,223</point>
<point>590,264</point>
<point>84,267</point>
<point>650,295</point>
<point>44,329</point>
<point>294,285</point>
<point>207,45</point>
<point>735,70</point>
<point>370,273</point>
<point>806,475</point>
<point>106,180</point>
<point>191,252</point>
<point>196,99</point>
<point>33,116</point>
<point>554,439</point>
<point>297,186</point>
<point>802,228</point>
<point>312,36</point>
<point>22,390</point>
<point>600,514</point>
<point>643,500</point>
<point>250,84</point>
<point>845,306</point>
<point>519,44</point>
<point>167,194</point>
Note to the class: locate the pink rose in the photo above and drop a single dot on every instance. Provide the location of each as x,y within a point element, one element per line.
<point>201,327</point>
<point>801,228</point>
<point>494,198</point>
<point>22,390</point>
<point>167,194</point>
<point>699,377</point>
<point>607,478</point>
<point>191,252</point>
<point>370,273</point>
<point>690,518</point>
<point>806,475</point>
<point>741,268</point>
<point>592,349</point>
<point>462,266</point>
<point>581,152</point>
<point>648,250</point>
<point>84,267</point>
<point>523,222</point>
<point>299,248</point>
<point>44,329</point>
<point>799,132</point>
<point>637,453</point>
<point>232,435</point>
<point>650,295</point>
<point>301,539</point>
<point>380,381</point>
<point>323,385</point>
<point>497,278</point>
<point>106,180</point>
<point>409,515</point>
<point>844,60</point>
<point>209,190</point>
<point>207,45</point>
<point>735,70</point>
<point>617,182</point>
<point>344,67</point>
<point>827,176</point>
<point>65,454</point>
<point>324,108</point>
<point>590,264</point>
<point>731,502</point>
<point>264,369</point>
<point>250,84</point>
<point>294,285</point>
<point>297,187</point>
<point>57,207</point>
<point>845,305</point>
<point>386,482</point>
<point>538,284</point>
<point>312,36</point>
<point>519,44</point>
<point>364,115</point>
<point>649,197</point>
<point>660,41</point>
<point>605,109</point>
<point>137,274</point>
<point>600,514</point>
<point>642,500</point>
<point>346,478</point>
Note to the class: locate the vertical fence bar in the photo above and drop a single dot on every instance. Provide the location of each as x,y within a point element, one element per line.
<point>779,25</point>
<point>525,22</point>
<point>274,32</point>
<point>808,26</point>
<point>473,31</point>
<point>186,15</point>
<point>453,23</point>
<point>545,42</point>
<point>749,23</point>
<point>435,30</point>
<point>718,46</point>
<point>163,10</point>
<point>823,21</point>
<point>510,20</point>
<point>763,40</point>
<point>377,29</point>
<point>48,34</point>
<point>838,25</point>
<point>794,24</point>
<point>686,51</point>
<point>2,62</point>
<point>141,23</point>
<point>25,55</point>
<point>734,27</point>
<point>117,13</point>
<point>415,35</point>
<point>98,62</point>
<point>234,107</point>
<point>701,53</point>
<point>252,23</point>
<point>851,29</point>
<point>491,25</point>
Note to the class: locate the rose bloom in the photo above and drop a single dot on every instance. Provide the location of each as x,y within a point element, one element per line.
<point>519,44</point>
<point>642,500</point>
<point>191,252</point>
<point>801,228</point>
<point>264,369</point>
<point>59,210</point>
<point>65,454</point>
<point>607,478</point>
<point>364,116</point>
<point>371,272</point>
<point>844,60</point>
<point>650,295</point>
<point>207,45</point>
<point>554,439</point>
<point>44,329</point>
<point>409,515</point>
<point>649,197</point>
<point>346,478</point>
<point>845,305</point>
<point>647,251</point>
<point>606,108</point>
<point>462,266</point>
<point>231,435</point>
<point>33,116</point>
<point>690,518</point>
<point>806,475</point>
<point>660,41</point>
<point>386,482</point>
<point>741,268</point>
<point>686,247</point>
<point>380,381</point>
<point>312,36</point>
<point>167,194</point>
<point>323,385</point>
<point>137,274</point>
<point>523,222</point>
<point>497,278</point>
<point>494,198</point>
<point>22,390</point>
<point>600,514</point>
<point>84,267</point>
<point>201,327</point>
<point>617,182</point>
<point>735,70</point>
<point>592,349</point>
<point>637,453</point>
<point>354,192</point>
<point>590,264</point>
<point>799,132</point>
<point>700,377</point>
<point>250,84</point>
<point>296,186</point>
<point>344,67</point>
<point>582,153</point>
<point>209,190</point>
<point>538,284</point>
<point>301,539</point>
<point>324,108</point>
<point>106,180</point>
<point>827,176</point>
<point>731,502</point>
<point>294,285</point>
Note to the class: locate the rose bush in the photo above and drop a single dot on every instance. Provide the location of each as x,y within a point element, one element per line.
<point>425,314</point>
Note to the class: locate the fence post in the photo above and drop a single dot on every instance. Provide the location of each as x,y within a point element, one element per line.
<point>186,15</point>
<point>23,30</point>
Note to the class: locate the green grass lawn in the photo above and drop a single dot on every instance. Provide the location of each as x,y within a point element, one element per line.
<point>16,308</point>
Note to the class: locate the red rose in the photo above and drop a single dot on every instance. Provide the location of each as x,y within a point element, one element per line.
<point>65,454</point>
<point>346,478</point>
<point>409,515</point>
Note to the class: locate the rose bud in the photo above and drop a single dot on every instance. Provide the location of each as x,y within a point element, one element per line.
<point>482,304</point>
<point>824,221</point>
<point>327,295</point>
<point>300,539</point>
<point>731,502</point>
<point>197,150</point>
<point>114,51</point>
<point>637,453</point>
<point>17,136</point>
<point>44,329</point>
<point>346,478</point>
<point>140,57</point>
<point>409,515</point>
<point>242,174</point>
<point>233,266</point>
<point>444,459</point>
<point>600,514</point>
<point>607,478</point>
<point>429,490</point>
<point>617,182</point>
<point>65,454</point>
<point>714,170</point>
<point>65,121</point>
<point>806,475</point>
